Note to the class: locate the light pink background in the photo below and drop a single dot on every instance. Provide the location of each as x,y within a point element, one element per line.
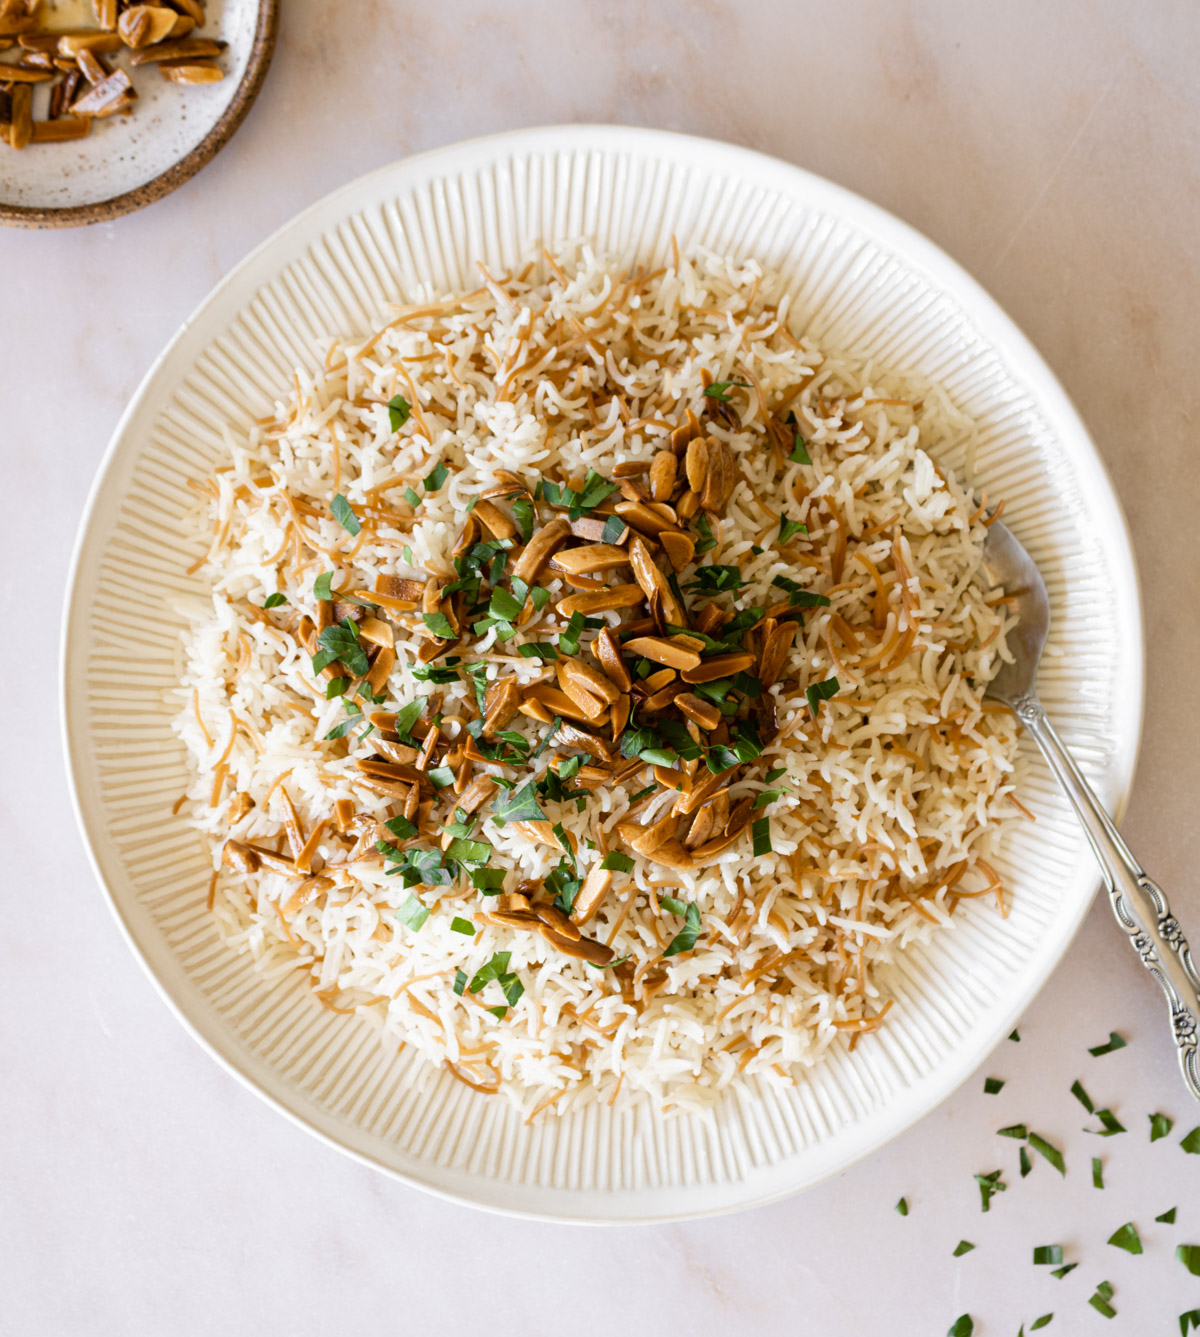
<point>1053,149</point>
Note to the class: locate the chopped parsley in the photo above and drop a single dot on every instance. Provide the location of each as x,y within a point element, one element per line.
<point>436,478</point>
<point>1082,1096</point>
<point>1097,1172</point>
<point>339,642</point>
<point>1114,1042</point>
<point>817,692</point>
<point>989,1186</point>
<point>706,542</point>
<point>399,411</point>
<point>463,926</point>
<point>440,625</point>
<point>1189,1256</point>
<point>616,862</point>
<point>685,939</point>
<point>1126,1237</point>
<point>788,528</point>
<point>1191,1143</point>
<point>963,1246</point>
<point>520,805</point>
<point>595,490</point>
<point>902,1206</point>
<point>1047,1254</point>
<point>1167,1218</point>
<point>1160,1126</point>
<point>1111,1124</point>
<point>274,600</point>
<point>992,1086</point>
<point>1100,1301</point>
<point>412,914</point>
<point>720,389</point>
<point>1051,1153</point>
<point>761,834</point>
<point>343,513</point>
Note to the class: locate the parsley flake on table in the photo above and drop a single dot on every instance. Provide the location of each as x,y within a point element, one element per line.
<point>1046,1254</point>
<point>1114,1042</point>
<point>992,1086</point>
<point>1126,1237</point>
<point>343,513</point>
<point>1189,1256</point>
<point>963,1246</point>
<point>902,1207</point>
<point>1168,1217</point>
<point>989,1186</point>
<point>1050,1152</point>
<point>1160,1126</point>
<point>399,410</point>
<point>1191,1143</point>
<point>1100,1301</point>
<point>963,1326</point>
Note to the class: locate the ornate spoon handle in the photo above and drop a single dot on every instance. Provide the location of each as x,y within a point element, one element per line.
<point>1139,904</point>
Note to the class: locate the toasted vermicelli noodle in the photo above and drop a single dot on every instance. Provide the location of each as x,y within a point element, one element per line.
<point>885,801</point>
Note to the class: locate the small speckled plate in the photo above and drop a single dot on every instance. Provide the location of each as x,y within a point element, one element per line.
<point>131,161</point>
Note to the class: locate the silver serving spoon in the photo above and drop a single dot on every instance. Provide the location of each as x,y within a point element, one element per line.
<point>1140,907</point>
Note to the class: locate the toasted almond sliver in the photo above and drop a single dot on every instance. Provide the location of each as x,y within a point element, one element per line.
<point>661,651</point>
<point>194,9</point>
<point>607,649</point>
<point>192,71</point>
<point>20,131</point>
<point>20,74</point>
<point>591,528</point>
<point>696,464</point>
<point>498,524</point>
<point>700,829</point>
<point>539,550</point>
<point>640,515</point>
<point>774,653</point>
<point>91,66</point>
<point>98,43</point>
<point>588,899</point>
<point>662,475</point>
<point>376,631</point>
<point>106,13</point>
<point>66,127</point>
<point>560,704</point>
<point>187,48</point>
<point>536,711</point>
<point>141,25</point>
<point>653,582</point>
<point>590,557</point>
<point>662,698</point>
<point>688,505</point>
<point>631,469</point>
<point>501,702</point>
<point>398,587</point>
<point>621,712</point>
<point>12,24</point>
<point>704,713</point>
<point>568,735</point>
<point>113,95</point>
<point>679,547</point>
<point>601,601</point>
<point>589,679</point>
<point>720,666</point>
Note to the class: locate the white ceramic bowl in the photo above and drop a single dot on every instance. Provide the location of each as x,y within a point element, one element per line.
<point>861,280</point>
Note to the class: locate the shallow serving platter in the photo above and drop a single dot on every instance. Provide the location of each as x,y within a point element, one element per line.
<point>130,161</point>
<point>860,279</point>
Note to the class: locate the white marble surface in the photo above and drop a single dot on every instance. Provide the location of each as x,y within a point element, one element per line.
<point>1054,149</point>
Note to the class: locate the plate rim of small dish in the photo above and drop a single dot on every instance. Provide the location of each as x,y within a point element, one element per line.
<point>262,50</point>
<point>632,1202</point>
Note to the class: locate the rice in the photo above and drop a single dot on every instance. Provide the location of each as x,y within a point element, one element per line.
<point>890,797</point>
